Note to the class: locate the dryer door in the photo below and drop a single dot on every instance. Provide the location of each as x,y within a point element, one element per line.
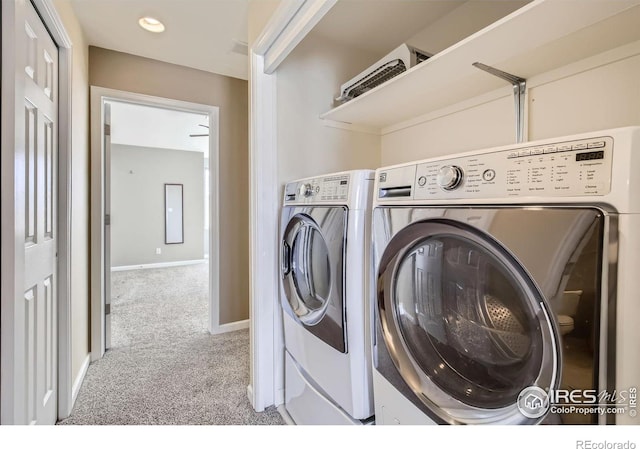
<point>312,269</point>
<point>466,327</point>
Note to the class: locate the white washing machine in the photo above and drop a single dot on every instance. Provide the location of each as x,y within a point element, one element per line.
<point>325,267</point>
<point>507,284</point>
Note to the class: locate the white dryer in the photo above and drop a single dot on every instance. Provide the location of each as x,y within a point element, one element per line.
<point>507,284</point>
<point>325,266</point>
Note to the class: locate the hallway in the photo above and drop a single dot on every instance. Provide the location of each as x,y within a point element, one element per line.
<point>164,367</point>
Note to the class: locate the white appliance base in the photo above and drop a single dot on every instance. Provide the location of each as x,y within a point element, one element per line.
<point>305,404</point>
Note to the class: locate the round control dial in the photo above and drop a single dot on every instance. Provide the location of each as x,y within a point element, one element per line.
<point>450,177</point>
<point>306,190</point>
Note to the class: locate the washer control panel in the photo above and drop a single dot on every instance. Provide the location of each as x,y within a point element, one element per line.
<point>328,188</point>
<point>569,168</point>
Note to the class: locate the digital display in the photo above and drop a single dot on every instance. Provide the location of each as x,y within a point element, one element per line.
<point>343,183</point>
<point>590,156</point>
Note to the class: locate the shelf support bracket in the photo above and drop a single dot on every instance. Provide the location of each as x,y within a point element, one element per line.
<point>519,91</point>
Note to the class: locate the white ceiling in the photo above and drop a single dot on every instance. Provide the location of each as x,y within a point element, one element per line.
<point>150,127</point>
<point>199,33</point>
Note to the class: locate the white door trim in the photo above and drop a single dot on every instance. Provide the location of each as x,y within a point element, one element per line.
<point>307,14</point>
<point>276,26</point>
<point>98,96</point>
<point>263,388</point>
<point>10,265</point>
<point>290,23</point>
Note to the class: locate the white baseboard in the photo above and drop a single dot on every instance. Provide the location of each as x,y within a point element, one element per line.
<point>230,327</point>
<point>250,395</point>
<point>77,383</point>
<point>148,266</point>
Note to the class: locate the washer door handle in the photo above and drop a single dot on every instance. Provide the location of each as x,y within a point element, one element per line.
<point>286,258</point>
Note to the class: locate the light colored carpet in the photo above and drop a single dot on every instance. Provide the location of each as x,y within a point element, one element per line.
<point>164,367</point>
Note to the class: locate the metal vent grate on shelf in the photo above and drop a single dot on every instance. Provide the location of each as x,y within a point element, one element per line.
<point>375,78</point>
<point>421,57</point>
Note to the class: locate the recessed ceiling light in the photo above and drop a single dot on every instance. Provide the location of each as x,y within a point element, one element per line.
<point>151,24</point>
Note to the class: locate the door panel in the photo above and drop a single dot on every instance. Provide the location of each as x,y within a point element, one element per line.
<point>35,332</point>
<point>30,113</point>
<point>310,270</point>
<point>466,291</point>
<point>313,248</point>
<point>461,307</point>
<point>107,226</point>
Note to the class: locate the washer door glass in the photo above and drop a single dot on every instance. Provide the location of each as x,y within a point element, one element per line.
<point>469,319</point>
<point>310,270</point>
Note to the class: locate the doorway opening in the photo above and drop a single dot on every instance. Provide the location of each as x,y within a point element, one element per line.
<point>157,247</point>
<point>154,219</point>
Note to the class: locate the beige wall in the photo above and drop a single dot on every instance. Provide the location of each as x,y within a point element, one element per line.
<point>586,96</point>
<point>260,11</point>
<point>138,178</point>
<point>606,96</point>
<point>487,125</point>
<point>307,82</point>
<point>80,189</point>
<point>130,73</point>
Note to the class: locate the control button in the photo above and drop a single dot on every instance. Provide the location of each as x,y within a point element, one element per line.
<point>306,190</point>
<point>450,177</point>
<point>579,146</point>
<point>317,189</point>
<point>526,152</point>
<point>593,187</point>
<point>596,144</point>
<point>422,180</point>
<point>512,154</point>
<point>564,148</point>
<point>489,175</point>
<point>550,149</point>
<point>537,151</point>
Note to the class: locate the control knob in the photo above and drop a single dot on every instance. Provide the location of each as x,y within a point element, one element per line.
<point>450,177</point>
<point>306,190</point>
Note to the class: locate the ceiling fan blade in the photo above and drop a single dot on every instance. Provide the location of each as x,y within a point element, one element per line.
<point>204,126</point>
<point>198,135</point>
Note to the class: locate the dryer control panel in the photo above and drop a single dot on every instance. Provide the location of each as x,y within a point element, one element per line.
<point>569,168</point>
<point>327,188</point>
